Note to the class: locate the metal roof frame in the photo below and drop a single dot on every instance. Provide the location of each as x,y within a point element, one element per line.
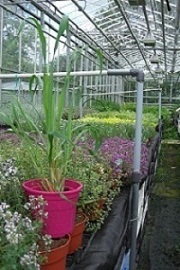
<point>108,17</point>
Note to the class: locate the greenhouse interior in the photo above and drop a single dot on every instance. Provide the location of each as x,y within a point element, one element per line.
<point>89,134</point>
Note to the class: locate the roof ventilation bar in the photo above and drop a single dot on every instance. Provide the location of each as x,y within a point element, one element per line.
<point>137,2</point>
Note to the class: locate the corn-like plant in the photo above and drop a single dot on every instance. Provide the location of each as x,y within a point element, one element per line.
<point>55,138</point>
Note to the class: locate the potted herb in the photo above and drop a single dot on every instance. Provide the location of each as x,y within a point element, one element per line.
<point>50,144</point>
<point>77,234</point>
<point>54,257</point>
<point>22,244</point>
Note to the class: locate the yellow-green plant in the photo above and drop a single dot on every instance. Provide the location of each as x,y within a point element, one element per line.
<point>53,138</point>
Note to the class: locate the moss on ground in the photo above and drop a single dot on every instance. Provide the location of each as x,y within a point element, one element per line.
<point>160,249</point>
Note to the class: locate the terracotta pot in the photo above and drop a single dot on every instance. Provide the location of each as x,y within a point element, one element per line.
<point>55,259</point>
<point>61,206</point>
<point>77,234</point>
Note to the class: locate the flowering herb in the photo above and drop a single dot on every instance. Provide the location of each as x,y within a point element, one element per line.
<point>118,153</point>
<point>19,234</point>
<point>17,240</point>
<point>103,173</point>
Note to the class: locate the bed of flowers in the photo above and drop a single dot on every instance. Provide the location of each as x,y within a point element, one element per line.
<point>104,173</point>
<point>103,169</point>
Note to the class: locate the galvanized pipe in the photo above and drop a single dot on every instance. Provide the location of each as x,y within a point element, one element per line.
<point>1,49</point>
<point>160,104</point>
<point>164,38</point>
<point>113,72</point>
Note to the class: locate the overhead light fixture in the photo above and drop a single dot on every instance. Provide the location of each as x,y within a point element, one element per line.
<point>137,2</point>
<point>154,59</point>
<point>160,81</point>
<point>149,40</point>
<point>158,69</point>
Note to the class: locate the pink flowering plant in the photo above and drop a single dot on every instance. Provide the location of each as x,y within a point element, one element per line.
<point>118,154</point>
<point>103,173</point>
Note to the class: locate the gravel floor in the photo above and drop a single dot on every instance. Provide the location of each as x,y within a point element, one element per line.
<point>161,245</point>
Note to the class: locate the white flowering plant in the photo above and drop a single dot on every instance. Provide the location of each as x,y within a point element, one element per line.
<point>17,240</point>
<point>19,234</point>
<point>10,184</point>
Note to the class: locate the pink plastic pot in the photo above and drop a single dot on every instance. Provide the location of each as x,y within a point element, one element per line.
<point>61,206</point>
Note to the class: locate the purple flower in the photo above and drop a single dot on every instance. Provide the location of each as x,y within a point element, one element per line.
<point>119,153</point>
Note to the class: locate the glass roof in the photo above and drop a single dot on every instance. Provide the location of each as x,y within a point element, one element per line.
<point>120,29</point>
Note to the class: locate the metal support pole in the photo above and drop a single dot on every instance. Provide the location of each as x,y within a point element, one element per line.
<point>41,64</point>
<point>112,72</point>
<point>171,90</point>
<point>91,83</point>
<point>86,61</point>
<point>119,87</point>
<point>81,83</point>
<point>35,51</point>
<point>160,105</point>
<point>136,174</point>
<point>123,90</point>
<point>113,87</point>
<point>106,84</point>
<point>1,50</point>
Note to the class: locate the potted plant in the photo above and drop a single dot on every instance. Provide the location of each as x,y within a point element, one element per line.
<point>55,257</point>
<point>22,244</point>
<point>24,247</point>
<point>100,185</point>
<point>77,234</point>
<point>50,144</point>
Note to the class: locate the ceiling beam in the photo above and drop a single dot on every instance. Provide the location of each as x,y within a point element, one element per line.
<point>133,35</point>
<point>100,30</point>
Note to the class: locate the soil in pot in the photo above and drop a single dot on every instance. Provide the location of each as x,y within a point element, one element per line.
<point>55,257</point>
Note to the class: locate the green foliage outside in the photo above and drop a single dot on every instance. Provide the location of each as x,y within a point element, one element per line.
<point>13,28</point>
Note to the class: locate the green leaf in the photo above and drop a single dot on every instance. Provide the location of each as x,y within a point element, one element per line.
<point>64,26</point>
<point>42,38</point>
<point>33,80</point>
